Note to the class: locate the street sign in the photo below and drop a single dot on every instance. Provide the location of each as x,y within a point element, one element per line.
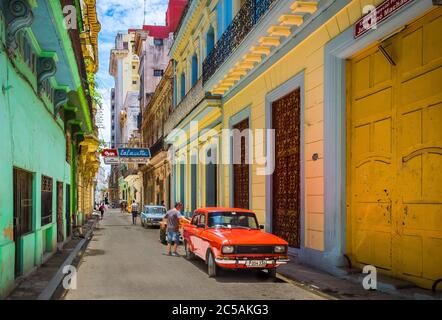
<point>110,153</point>
<point>111,160</point>
<point>110,156</point>
<point>381,13</point>
<point>134,155</point>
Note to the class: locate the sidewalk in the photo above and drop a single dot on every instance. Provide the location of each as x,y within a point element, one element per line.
<point>349,286</point>
<point>44,279</point>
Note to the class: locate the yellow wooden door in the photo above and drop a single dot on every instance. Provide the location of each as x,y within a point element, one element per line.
<point>395,153</point>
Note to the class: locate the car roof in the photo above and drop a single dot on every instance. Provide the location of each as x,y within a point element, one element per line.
<point>150,206</point>
<point>221,209</point>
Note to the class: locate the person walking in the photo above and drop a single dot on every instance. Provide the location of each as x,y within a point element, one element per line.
<point>102,209</point>
<point>172,218</point>
<point>134,210</point>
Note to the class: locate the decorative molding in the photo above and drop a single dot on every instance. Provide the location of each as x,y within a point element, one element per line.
<point>60,98</point>
<point>46,68</point>
<point>18,15</point>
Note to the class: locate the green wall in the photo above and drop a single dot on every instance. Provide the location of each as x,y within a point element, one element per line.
<point>31,140</point>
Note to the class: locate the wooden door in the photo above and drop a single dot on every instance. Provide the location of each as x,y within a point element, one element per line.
<point>23,208</point>
<point>286,114</point>
<point>241,169</point>
<point>60,224</point>
<point>68,210</point>
<point>395,157</point>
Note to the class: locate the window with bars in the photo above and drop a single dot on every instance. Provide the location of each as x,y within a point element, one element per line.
<point>158,42</point>
<point>46,200</point>
<point>158,73</point>
<point>68,148</point>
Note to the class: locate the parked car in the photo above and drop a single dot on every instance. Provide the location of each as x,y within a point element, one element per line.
<point>163,227</point>
<point>152,216</point>
<point>232,239</point>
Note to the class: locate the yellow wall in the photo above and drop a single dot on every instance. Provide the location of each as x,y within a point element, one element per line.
<point>308,56</point>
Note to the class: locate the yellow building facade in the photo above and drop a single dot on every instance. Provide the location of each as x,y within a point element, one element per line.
<point>356,115</point>
<point>88,160</point>
<point>196,116</point>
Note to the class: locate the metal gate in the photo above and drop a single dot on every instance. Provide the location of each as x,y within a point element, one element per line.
<point>60,231</point>
<point>286,177</point>
<point>22,212</point>
<point>46,200</point>
<point>241,170</point>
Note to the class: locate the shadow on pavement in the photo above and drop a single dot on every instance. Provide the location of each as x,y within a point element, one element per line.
<point>94,252</point>
<point>237,276</point>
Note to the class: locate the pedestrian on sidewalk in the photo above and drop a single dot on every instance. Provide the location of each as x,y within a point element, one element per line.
<point>102,209</point>
<point>172,218</point>
<point>134,210</point>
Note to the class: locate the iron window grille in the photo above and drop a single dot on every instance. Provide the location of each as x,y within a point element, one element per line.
<point>247,18</point>
<point>46,200</point>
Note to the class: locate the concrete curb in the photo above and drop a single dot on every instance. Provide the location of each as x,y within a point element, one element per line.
<point>55,282</point>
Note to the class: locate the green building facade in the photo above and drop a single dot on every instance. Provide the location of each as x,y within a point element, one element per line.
<point>44,116</point>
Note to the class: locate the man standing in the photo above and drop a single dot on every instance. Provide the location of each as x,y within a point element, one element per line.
<point>134,210</point>
<point>173,227</point>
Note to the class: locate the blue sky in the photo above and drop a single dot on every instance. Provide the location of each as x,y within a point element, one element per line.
<point>116,16</point>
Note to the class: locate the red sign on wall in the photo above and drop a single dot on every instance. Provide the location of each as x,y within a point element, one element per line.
<point>110,156</point>
<point>109,153</point>
<point>381,13</point>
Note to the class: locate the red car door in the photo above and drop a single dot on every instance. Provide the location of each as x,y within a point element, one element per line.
<point>204,241</point>
<point>193,233</point>
<point>198,242</point>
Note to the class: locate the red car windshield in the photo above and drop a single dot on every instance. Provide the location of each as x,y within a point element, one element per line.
<point>233,220</point>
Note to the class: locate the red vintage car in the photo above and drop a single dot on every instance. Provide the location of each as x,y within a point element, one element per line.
<point>232,238</point>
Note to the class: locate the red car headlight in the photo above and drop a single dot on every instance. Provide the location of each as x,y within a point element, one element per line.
<point>280,249</point>
<point>228,249</point>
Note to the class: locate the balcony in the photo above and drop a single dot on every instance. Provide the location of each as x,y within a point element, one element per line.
<point>157,147</point>
<point>247,18</point>
<point>190,101</point>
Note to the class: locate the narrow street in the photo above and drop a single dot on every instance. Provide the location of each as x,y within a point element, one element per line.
<point>128,262</point>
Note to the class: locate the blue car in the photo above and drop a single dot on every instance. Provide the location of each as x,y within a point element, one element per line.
<point>152,216</point>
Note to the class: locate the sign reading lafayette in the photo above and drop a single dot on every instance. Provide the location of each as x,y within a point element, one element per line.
<point>379,14</point>
<point>132,155</point>
<point>126,155</point>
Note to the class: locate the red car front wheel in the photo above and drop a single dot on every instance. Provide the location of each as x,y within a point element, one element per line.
<point>212,268</point>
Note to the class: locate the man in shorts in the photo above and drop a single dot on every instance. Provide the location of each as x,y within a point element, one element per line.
<point>134,212</point>
<point>172,218</point>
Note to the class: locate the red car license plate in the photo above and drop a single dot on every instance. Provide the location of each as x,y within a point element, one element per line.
<point>256,263</point>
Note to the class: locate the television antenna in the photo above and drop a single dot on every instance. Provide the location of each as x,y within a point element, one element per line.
<point>144,12</point>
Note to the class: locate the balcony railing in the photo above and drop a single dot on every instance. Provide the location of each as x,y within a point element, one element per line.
<point>191,100</point>
<point>248,16</point>
<point>157,147</point>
